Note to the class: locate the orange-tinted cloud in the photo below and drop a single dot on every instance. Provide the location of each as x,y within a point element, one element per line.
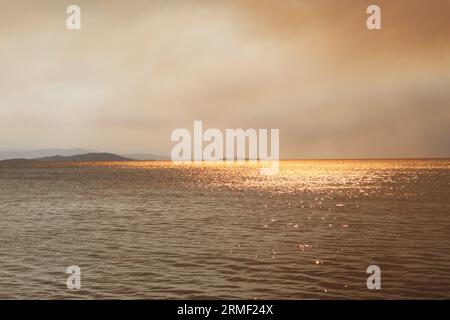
<point>138,70</point>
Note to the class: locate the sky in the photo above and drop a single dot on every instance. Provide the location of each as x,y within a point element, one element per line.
<point>138,70</point>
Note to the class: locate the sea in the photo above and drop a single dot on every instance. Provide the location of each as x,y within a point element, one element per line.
<point>159,230</point>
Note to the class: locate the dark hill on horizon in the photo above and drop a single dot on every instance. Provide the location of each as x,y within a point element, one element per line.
<point>52,152</point>
<point>87,157</point>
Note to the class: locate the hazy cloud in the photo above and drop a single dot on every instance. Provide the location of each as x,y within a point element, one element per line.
<point>138,70</point>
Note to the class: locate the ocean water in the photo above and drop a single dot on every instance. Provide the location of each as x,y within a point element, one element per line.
<point>158,230</point>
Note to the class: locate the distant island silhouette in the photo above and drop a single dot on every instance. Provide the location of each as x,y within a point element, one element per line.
<point>78,154</point>
<point>86,157</point>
